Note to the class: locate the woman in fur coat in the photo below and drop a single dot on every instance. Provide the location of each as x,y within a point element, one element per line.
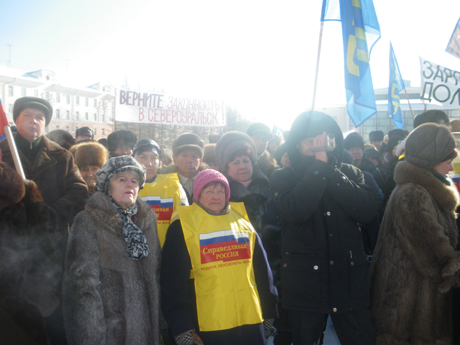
<point>415,261</point>
<point>111,284</point>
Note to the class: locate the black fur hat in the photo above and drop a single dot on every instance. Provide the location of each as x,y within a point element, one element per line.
<point>121,138</point>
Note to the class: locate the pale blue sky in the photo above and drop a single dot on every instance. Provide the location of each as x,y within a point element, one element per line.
<point>259,56</point>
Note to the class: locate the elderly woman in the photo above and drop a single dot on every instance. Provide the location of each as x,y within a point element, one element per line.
<point>415,260</point>
<point>111,285</point>
<point>216,285</point>
<point>236,155</point>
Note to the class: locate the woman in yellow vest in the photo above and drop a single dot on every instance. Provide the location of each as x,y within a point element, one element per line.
<point>163,193</point>
<point>216,285</point>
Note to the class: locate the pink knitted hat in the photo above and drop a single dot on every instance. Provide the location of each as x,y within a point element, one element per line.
<point>207,176</point>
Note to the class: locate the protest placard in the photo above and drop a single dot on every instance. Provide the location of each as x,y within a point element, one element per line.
<point>162,108</point>
<point>439,83</point>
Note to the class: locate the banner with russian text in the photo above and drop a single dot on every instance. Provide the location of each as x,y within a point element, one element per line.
<point>440,84</point>
<point>166,109</point>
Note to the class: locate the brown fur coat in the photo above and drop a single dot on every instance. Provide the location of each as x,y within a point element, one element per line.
<point>415,261</point>
<point>107,297</point>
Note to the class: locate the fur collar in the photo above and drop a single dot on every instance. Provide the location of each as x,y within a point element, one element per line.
<point>100,205</point>
<point>446,196</point>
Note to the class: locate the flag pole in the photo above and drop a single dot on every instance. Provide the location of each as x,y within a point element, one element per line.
<point>14,152</point>
<point>317,64</point>
<point>410,107</point>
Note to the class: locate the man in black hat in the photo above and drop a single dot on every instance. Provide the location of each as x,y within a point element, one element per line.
<point>261,135</point>
<point>376,139</point>
<point>324,268</point>
<point>84,133</point>
<point>121,143</point>
<point>54,171</point>
<point>187,158</point>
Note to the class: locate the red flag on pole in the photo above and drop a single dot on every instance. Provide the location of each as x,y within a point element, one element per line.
<point>3,121</point>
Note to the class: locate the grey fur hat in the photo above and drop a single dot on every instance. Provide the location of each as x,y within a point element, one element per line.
<point>33,102</point>
<point>429,144</point>
<point>117,165</point>
<point>231,143</point>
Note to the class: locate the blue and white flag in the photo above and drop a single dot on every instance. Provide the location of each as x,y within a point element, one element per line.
<point>396,85</point>
<point>454,44</point>
<point>360,31</point>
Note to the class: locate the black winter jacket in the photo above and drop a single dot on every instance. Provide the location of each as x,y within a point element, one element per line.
<point>324,267</point>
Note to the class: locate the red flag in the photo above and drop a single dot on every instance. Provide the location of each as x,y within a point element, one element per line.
<point>3,122</point>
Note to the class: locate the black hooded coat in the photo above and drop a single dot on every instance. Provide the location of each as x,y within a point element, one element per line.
<point>324,266</point>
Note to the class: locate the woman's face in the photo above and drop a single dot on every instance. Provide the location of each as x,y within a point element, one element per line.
<point>240,169</point>
<point>285,162</point>
<point>150,161</point>
<point>443,168</point>
<point>213,198</point>
<point>124,188</point>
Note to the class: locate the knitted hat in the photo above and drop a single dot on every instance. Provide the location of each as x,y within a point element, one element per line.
<point>84,132</point>
<point>353,140</point>
<point>89,154</point>
<point>121,138</point>
<point>204,178</point>
<point>429,144</point>
<point>147,145</point>
<point>373,153</point>
<point>33,102</point>
<point>187,141</point>
<point>375,136</point>
<point>310,124</point>
<point>230,144</point>
<point>260,128</point>
<point>117,165</point>
<point>280,151</point>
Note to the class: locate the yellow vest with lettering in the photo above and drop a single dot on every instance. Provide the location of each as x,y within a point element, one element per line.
<point>221,250</point>
<point>163,196</point>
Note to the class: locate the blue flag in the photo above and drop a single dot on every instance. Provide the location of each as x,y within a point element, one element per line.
<point>395,86</point>
<point>360,31</point>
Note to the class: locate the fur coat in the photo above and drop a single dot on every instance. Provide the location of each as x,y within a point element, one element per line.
<point>266,163</point>
<point>30,265</point>
<point>415,261</point>
<point>107,297</point>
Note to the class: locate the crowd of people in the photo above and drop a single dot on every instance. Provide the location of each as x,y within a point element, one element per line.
<point>121,241</point>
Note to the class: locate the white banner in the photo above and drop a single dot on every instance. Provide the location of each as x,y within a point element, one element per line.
<point>161,108</point>
<point>439,83</point>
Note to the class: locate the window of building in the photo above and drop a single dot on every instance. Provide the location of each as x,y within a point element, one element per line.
<point>47,95</point>
<point>58,97</point>
<point>95,131</point>
<point>36,93</point>
<point>103,131</point>
<point>95,117</point>
<point>58,114</point>
<point>10,90</point>
<point>86,116</point>
<point>67,115</point>
<point>95,102</point>
<point>77,100</point>
<point>67,99</point>
<point>67,129</point>
<point>57,127</point>
<point>23,92</point>
<point>86,101</point>
<point>77,115</point>
<point>10,108</point>
<point>77,129</point>
<point>47,129</point>
<point>103,118</point>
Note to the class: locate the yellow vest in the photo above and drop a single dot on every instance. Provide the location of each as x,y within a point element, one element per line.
<point>221,250</point>
<point>163,196</point>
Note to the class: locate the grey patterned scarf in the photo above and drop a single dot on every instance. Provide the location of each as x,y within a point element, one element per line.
<point>133,236</point>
